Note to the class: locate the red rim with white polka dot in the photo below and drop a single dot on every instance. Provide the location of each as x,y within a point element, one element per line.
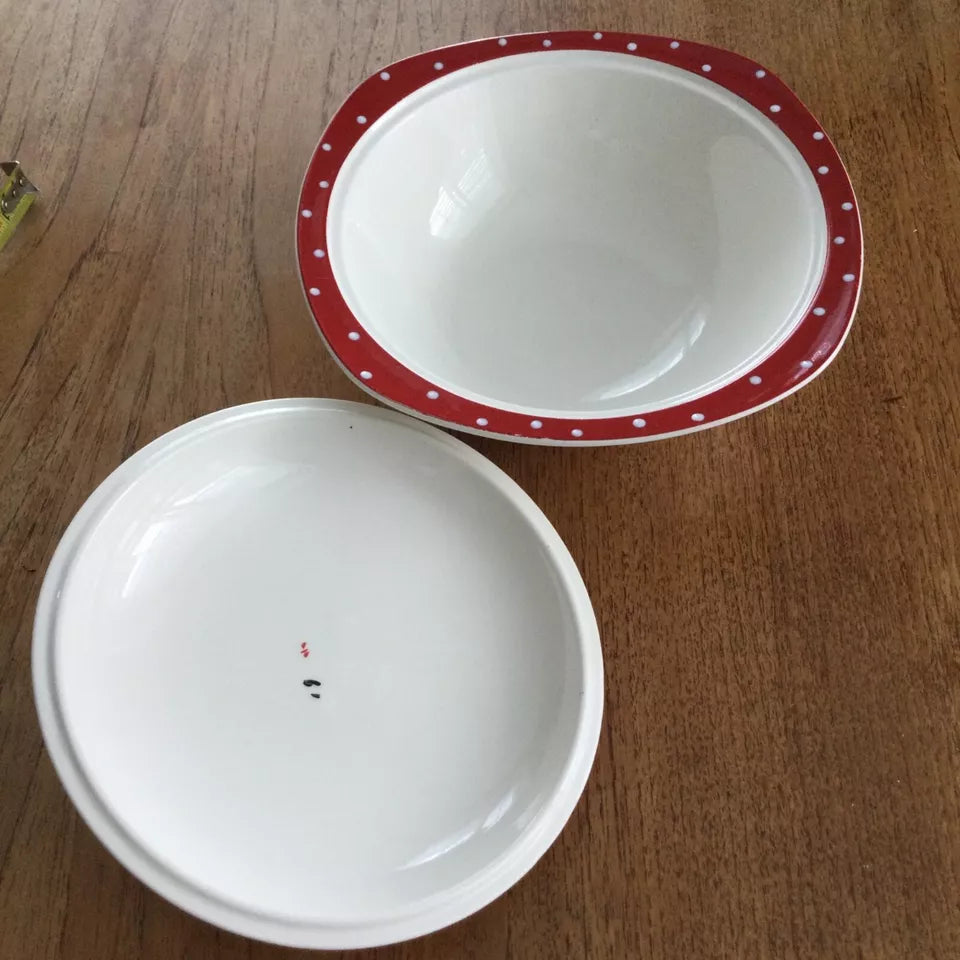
<point>809,347</point>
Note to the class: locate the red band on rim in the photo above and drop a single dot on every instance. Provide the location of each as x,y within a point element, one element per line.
<point>810,346</point>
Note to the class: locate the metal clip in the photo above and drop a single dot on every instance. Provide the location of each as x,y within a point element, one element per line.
<point>17,193</point>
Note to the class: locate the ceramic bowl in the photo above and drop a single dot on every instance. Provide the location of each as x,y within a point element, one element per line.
<point>579,237</point>
<point>318,673</point>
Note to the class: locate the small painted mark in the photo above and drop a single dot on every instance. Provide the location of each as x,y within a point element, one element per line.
<point>304,650</point>
<point>312,683</point>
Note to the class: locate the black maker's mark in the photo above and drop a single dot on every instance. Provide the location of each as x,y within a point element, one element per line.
<point>312,683</point>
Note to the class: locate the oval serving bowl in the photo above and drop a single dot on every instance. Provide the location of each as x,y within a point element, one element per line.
<point>578,238</point>
<point>318,673</point>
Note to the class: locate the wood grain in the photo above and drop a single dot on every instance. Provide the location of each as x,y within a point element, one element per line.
<point>779,599</point>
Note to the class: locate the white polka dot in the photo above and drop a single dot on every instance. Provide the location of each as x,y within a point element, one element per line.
<point>774,107</point>
<point>353,335</point>
<point>755,380</point>
<point>366,374</point>
<point>846,206</point>
<point>306,213</point>
<point>438,66</point>
<point>432,394</point>
<point>639,422</point>
<point>324,184</point>
<point>319,254</point>
<point>631,46</point>
<point>818,134</point>
<point>674,44</point>
<point>823,169</point>
<point>576,432</point>
<point>314,291</point>
<point>848,278</point>
<point>536,424</point>
<point>696,417</point>
<point>548,43</point>
<point>482,421</point>
<point>385,75</point>
<point>806,364</point>
<point>361,119</point>
<point>818,311</point>
<point>760,74</point>
<point>326,146</point>
<point>598,36</point>
<point>839,240</point>
<point>706,68</point>
<point>502,41</point>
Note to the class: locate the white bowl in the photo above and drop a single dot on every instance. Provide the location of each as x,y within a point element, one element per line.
<point>579,238</point>
<point>318,673</point>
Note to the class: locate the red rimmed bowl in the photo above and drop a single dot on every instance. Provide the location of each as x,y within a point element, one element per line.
<point>579,238</point>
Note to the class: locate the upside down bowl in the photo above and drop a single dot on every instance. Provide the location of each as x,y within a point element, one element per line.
<point>578,238</point>
<point>318,673</point>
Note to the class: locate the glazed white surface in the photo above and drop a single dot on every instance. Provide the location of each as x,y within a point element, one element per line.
<point>452,638</point>
<point>576,233</point>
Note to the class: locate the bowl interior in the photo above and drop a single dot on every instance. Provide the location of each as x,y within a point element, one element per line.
<point>351,550</point>
<point>576,232</point>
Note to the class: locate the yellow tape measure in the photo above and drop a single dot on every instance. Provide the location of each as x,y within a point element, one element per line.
<point>16,195</point>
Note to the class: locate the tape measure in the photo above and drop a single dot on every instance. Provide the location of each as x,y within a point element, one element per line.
<point>17,193</point>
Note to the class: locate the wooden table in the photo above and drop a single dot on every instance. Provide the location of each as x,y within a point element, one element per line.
<point>779,599</point>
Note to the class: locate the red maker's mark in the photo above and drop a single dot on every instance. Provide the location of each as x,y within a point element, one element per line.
<point>304,650</point>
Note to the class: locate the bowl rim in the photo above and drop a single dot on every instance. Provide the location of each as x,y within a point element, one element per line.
<point>422,917</point>
<point>800,357</point>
